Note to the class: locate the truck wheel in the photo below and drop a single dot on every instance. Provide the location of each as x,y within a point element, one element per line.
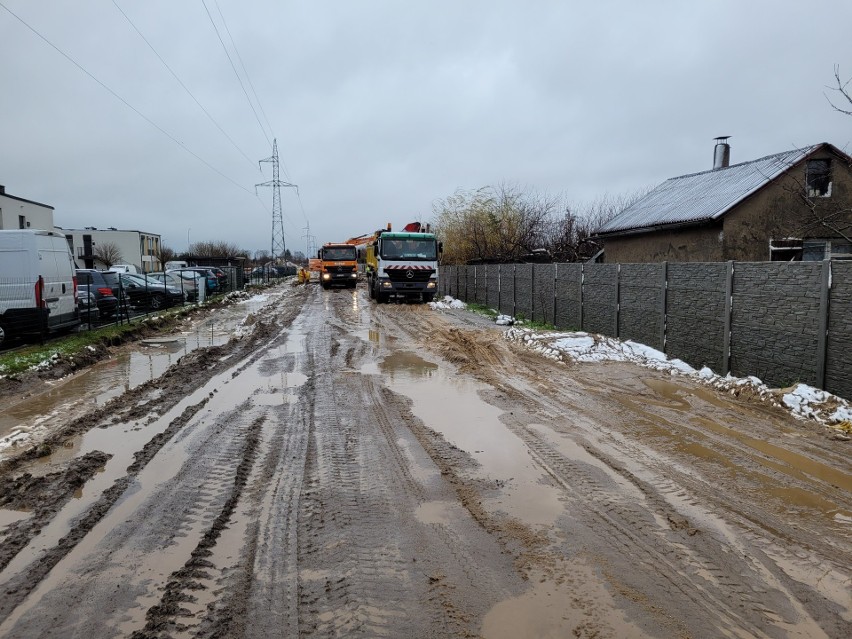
<point>428,297</point>
<point>382,298</point>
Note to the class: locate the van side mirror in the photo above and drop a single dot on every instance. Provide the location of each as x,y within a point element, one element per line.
<point>440,247</point>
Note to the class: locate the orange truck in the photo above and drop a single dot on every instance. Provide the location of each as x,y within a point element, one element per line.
<point>338,265</point>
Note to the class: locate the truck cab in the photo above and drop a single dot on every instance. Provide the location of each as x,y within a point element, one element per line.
<point>338,265</point>
<point>403,265</point>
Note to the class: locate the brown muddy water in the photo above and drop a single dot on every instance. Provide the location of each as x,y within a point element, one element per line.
<point>25,420</point>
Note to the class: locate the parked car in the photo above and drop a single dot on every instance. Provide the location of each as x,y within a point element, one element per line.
<point>212,280</point>
<point>221,276</point>
<point>38,287</point>
<point>191,279</point>
<point>102,290</point>
<point>149,293</point>
<point>87,303</point>
<point>124,268</point>
<point>188,284</point>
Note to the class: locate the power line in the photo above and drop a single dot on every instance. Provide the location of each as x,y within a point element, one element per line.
<point>242,86</point>
<point>123,101</point>
<point>180,82</point>
<point>245,71</point>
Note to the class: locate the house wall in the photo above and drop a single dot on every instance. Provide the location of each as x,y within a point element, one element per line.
<point>36,216</point>
<point>777,211</point>
<point>697,244</point>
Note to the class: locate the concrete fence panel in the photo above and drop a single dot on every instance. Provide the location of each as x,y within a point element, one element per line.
<point>507,289</point>
<point>695,320</point>
<point>775,321</point>
<point>492,294</point>
<point>838,364</point>
<point>569,296</point>
<point>544,292</point>
<point>641,301</point>
<point>600,298</point>
<point>524,290</point>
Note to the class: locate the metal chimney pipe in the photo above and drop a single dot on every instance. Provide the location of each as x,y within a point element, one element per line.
<point>722,152</point>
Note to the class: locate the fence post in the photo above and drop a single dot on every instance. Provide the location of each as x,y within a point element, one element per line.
<point>618,301</point>
<point>822,336</point>
<point>532,292</point>
<point>514,290</point>
<point>555,296</point>
<point>726,337</point>
<point>475,285</point>
<point>499,288</point>
<point>664,317</point>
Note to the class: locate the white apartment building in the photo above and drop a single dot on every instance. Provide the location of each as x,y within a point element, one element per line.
<point>139,248</point>
<point>18,213</point>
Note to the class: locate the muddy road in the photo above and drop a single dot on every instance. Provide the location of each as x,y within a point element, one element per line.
<point>348,469</point>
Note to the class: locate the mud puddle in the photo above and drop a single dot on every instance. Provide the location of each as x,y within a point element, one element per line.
<point>220,395</point>
<point>450,404</point>
<point>31,417</point>
<point>579,606</point>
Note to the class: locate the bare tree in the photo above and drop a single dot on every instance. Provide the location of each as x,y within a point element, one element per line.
<point>215,249</point>
<point>492,224</point>
<point>108,253</point>
<point>167,254</point>
<point>843,89</point>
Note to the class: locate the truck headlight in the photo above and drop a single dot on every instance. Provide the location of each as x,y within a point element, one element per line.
<point>354,274</point>
<point>326,276</point>
<point>386,284</point>
<point>430,285</point>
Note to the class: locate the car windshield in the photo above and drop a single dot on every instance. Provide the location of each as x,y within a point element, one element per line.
<point>411,249</point>
<point>339,253</point>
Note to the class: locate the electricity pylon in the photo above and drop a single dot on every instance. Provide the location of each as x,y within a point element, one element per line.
<point>278,247</point>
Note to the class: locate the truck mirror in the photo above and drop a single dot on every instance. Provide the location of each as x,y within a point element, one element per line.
<point>440,247</point>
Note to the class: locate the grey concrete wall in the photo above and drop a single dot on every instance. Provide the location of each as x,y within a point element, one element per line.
<point>775,320</point>
<point>641,297</point>
<point>838,365</point>
<point>599,298</point>
<point>779,311</point>
<point>695,320</point>
<point>569,302</point>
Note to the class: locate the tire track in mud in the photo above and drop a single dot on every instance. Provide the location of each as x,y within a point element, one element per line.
<point>189,374</point>
<point>727,589</point>
<point>367,565</point>
<point>169,612</point>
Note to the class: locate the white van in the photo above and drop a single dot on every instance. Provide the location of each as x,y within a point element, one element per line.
<point>175,264</point>
<point>38,285</point>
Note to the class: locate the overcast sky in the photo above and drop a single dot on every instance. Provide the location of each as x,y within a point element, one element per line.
<point>380,108</point>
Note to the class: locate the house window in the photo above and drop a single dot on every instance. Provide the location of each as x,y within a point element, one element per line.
<point>817,250</point>
<point>785,250</point>
<point>22,222</point>
<point>819,178</point>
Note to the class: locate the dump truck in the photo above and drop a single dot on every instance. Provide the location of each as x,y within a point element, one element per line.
<point>403,264</point>
<point>338,265</point>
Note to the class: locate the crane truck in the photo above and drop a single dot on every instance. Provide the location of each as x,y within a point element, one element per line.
<point>403,264</point>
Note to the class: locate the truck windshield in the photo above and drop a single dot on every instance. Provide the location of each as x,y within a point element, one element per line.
<point>339,253</point>
<point>410,249</point>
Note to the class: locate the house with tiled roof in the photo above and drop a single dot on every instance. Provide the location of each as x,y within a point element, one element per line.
<point>795,205</point>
